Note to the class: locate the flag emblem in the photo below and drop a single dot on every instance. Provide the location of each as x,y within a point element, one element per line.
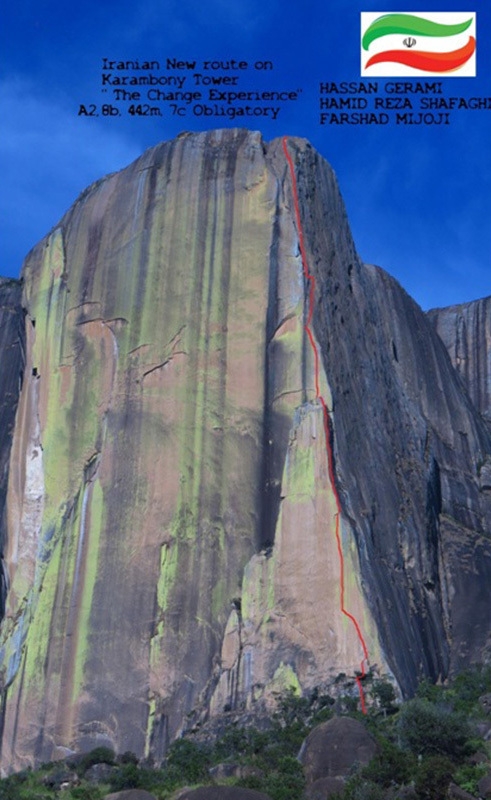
<point>413,44</point>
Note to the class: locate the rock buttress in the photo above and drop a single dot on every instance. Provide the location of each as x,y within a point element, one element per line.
<point>289,629</point>
<point>412,460</point>
<point>146,323</point>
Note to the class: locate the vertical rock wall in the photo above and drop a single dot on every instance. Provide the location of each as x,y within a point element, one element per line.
<point>134,492</point>
<point>409,448</point>
<point>12,350</point>
<point>171,532</point>
<point>166,365</point>
<point>412,460</point>
<point>465,330</point>
<point>289,629</point>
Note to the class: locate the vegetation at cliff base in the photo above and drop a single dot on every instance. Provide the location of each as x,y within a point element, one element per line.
<point>423,745</point>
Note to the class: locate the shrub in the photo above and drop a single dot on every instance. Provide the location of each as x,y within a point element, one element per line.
<point>188,761</point>
<point>127,777</point>
<point>128,758</point>
<point>358,788</point>
<point>240,742</point>
<point>86,793</point>
<point>390,766</point>
<point>252,782</point>
<point>384,694</point>
<point>284,782</point>
<point>433,778</point>
<point>292,709</point>
<point>468,776</point>
<point>99,755</point>
<point>8,791</point>
<point>470,685</point>
<point>431,692</point>
<point>426,729</point>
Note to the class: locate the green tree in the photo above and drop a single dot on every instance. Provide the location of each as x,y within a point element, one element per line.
<point>359,788</point>
<point>470,685</point>
<point>99,755</point>
<point>128,776</point>
<point>188,761</point>
<point>384,695</point>
<point>390,765</point>
<point>429,730</point>
<point>433,778</point>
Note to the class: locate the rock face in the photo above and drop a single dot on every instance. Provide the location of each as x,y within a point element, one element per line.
<point>242,460</point>
<point>465,331</point>
<point>12,348</point>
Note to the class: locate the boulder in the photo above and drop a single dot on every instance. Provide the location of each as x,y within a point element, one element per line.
<point>333,748</point>
<point>485,702</point>
<point>100,773</point>
<point>484,786</point>
<point>456,793</point>
<point>220,793</point>
<point>324,788</point>
<point>483,729</point>
<point>130,794</point>
<point>406,793</point>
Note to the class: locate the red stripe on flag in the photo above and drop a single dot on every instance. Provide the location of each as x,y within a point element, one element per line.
<point>427,61</point>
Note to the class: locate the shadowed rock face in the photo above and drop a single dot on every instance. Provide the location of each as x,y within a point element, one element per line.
<point>465,330</point>
<point>171,524</point>
<point>11,374</point>
<point>411,452</point>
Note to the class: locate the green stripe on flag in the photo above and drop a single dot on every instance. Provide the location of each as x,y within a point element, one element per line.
<point>409,23</point>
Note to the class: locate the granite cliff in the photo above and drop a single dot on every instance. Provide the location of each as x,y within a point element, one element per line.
<point>241,459</point>
<point>465,331</point>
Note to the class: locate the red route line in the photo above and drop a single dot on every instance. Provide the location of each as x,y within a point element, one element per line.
<point>310,311</point>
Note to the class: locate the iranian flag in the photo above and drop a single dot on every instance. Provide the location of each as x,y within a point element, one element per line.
<point>411,44</point>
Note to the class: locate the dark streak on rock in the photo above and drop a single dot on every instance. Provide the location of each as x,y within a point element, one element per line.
<point>12,365</point>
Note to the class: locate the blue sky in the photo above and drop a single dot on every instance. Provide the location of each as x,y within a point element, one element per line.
<point>418,198</point>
